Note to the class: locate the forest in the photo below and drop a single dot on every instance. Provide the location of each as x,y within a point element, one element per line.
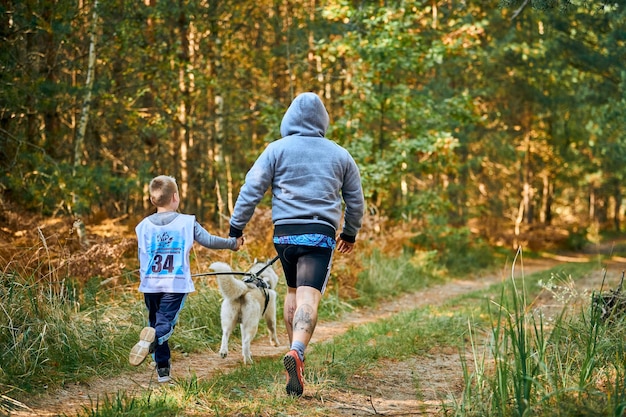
<point>471,118</point>
<point>482,130</point>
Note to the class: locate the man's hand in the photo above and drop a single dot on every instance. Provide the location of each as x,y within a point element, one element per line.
<point>343,246</point>
<point>240,242</point>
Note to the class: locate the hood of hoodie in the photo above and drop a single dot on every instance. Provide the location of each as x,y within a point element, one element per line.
<point>306,116</point>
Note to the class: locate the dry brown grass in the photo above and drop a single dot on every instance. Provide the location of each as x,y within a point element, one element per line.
<point>30,241</point>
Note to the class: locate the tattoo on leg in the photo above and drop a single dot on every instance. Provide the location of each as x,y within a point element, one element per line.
<point>303,321</point>
<point>289,315</point>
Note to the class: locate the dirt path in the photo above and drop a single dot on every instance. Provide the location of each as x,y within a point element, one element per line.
<point>389,394</point>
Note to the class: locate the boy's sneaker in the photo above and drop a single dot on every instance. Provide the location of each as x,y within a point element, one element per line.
<point>295,371</point>
<point>163,373</point>
<point>143,348</point>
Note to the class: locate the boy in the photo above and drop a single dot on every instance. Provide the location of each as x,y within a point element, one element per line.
<point>165,239</point>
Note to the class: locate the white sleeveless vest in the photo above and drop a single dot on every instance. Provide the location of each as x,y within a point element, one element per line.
<point>164,255</point>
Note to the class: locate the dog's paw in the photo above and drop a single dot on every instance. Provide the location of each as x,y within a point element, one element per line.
<point>274,341</point>
<point>223,354</point>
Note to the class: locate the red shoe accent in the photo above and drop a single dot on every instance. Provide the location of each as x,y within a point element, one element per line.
<point>295,372</point>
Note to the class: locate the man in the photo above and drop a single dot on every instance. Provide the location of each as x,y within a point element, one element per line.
<point>309,176</point>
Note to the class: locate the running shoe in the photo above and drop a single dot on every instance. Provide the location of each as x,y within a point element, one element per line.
<point>143,348</point>
<point>295,371</point>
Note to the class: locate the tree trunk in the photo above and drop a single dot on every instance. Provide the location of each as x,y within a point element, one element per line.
<point>220,204</point>
<point>184,134</point>
<point>528,180</point>
<point>518,222</point>
<point>279,68</point>
<point>592,204</point>
<point>79,142</point>
<point>617,195</point>
<point>33,67</point>
<point>229,186</point>
<point>84,118</point>
<point>50,71</point>
<point>545,216</point>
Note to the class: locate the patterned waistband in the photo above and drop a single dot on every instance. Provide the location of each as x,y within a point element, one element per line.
<point>308,239</point>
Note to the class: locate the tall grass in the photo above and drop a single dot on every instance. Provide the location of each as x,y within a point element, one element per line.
<point>50,332</point>
<point>386,277</point>
<point>42,336</point>
<point>122,404</point>
<point>531,364</point>
<point>544,366</point>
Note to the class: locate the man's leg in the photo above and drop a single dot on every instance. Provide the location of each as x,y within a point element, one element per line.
<point>305,316</point>
<point>289,310</point>
<point>303,322</point>
<point>306,271</point>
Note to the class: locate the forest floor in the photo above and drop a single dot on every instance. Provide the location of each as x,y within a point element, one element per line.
<point>380,394</point>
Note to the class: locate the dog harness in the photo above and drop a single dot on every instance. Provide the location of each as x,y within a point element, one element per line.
<point>261,285</point>
<point>252,278</point>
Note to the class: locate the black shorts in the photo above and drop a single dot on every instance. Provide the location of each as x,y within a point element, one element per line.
<point>305,265</point>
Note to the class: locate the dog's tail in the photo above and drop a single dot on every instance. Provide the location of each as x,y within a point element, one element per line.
<point>230,287</point>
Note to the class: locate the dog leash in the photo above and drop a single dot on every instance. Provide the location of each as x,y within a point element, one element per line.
<point>249,274</point>
<point>270,263</point>
<point>253,277</point>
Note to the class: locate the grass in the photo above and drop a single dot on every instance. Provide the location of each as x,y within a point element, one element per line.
<point>55,330</point>
<point>52,331</point>
<point>384,277</point>
<point>44,335</point>
<point>156,404</point>
<point>568,364</point>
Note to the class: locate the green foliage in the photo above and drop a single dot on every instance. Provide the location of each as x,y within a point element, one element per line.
<point>49,188</point>
<point>472,102</point>
<point>395,127</point>
<point>544,365</point>
<point>457,249</point>
<point>100,183</point>
<point>559,6</point>
<point>577,239</point>
<point>386,277</point>
<point>45,337</point>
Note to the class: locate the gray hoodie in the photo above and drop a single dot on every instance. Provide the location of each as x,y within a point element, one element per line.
<point>309,175</point>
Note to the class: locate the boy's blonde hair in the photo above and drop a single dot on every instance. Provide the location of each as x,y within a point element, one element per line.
<point>162,189</point>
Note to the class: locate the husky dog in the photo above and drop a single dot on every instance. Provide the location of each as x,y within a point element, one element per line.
<point>246,300</point>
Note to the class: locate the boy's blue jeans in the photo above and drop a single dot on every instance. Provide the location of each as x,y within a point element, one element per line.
<point>163,311</point>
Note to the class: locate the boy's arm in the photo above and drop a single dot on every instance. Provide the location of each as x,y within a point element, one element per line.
<point>214,242</point>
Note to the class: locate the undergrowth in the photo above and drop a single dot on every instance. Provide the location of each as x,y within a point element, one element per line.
<point>527,363</point>
<point>54,330</point>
